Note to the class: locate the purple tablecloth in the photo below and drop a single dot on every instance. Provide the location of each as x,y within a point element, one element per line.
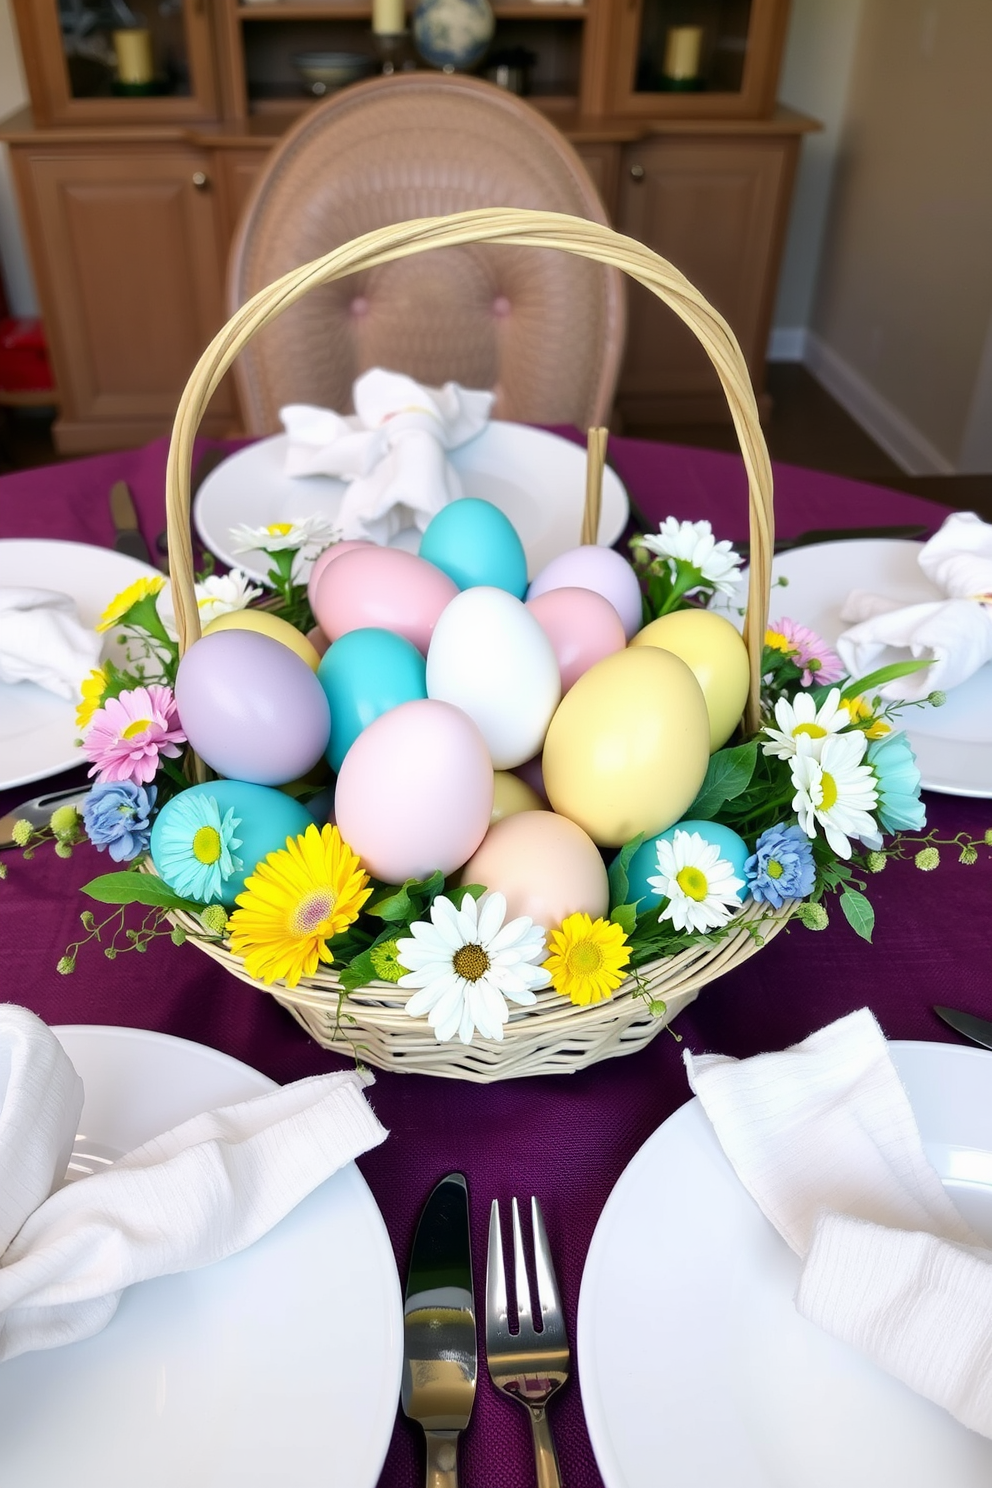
<point>566,1139</point>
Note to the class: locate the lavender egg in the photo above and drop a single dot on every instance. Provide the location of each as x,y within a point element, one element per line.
<point>601,569</point>
<point>251,708</point>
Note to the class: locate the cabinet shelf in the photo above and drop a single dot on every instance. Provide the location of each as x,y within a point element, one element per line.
<point>513,10</point>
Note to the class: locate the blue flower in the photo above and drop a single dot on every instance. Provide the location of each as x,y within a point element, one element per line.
<point>894,763</point>
<point>117,816</point>
<point>194,849</point>
<point>781,866</point>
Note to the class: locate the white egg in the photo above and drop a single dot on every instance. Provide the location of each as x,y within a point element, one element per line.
<point>490,657</point>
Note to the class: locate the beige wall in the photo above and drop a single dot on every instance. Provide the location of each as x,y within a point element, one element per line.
<point>13,95</point>
<point>904,300</point>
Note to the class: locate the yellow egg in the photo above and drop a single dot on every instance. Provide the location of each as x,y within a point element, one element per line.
<point>512,795</point>
<point>544,865</point>
<point>715,652</point>
<point>628,747</point>
<point>269,625</point>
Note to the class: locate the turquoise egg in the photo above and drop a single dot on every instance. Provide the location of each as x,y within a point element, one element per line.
<point>266,817</point>
<point>364,674</point>
<point>474,543</point>
<point>644,864</point>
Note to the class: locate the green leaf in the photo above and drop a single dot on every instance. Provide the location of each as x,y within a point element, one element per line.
<point>619,882</point>
<point>883,675</point>
<point>858,913</point>
<point>728,776</point>
<point>128,887</point>
<point>625,915</point>
<point>400,905</point>
<point>359,972</point>
<point>475,890</point>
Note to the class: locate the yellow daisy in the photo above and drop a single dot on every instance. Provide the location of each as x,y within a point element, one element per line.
<point>127,599</point>
<point>298,899</point>
<point>860,711</point>
<point>587,958</point>
<point>92,687</point>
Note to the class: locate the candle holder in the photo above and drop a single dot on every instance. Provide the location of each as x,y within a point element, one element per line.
<point>393,50</point>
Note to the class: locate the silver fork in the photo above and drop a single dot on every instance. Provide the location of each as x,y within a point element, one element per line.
<point>528,1365</point>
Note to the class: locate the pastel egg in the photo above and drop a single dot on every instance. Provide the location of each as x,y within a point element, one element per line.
<point>331,555</point>
<point>474,543</point>
<point>644,864</point>
<point>271,625</point>
<point>545,865</point>
<point>363,675</point>
<point>581,625</point>
<point>628,748</point>
<point>318,640</point>
<point>490,657</point>
<point>251,708</point>
<point>265,818</point>
<point>511,794</point>
<point>415,791</point>
<point>531,772</point>
<point>716,654</point>
<point>601,569</point>
<point>382,588</point>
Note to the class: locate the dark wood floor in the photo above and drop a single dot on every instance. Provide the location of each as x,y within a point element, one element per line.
<point>806,427</point>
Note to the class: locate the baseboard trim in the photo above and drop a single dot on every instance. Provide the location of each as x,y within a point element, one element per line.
<point>879,418</point>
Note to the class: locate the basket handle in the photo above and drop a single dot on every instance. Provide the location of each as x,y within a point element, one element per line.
<point>521,228</point>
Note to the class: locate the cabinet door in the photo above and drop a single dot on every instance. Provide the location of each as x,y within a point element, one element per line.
<point>716,208</point>
<point>127,250</point>
<point>602,161</point>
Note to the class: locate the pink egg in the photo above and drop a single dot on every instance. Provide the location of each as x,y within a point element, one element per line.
<point>601,569</point>
<point>330,555</point>
<point>545,865</point>
<point>385,588</point>
<point>415,791</point>
<point>581,625</point>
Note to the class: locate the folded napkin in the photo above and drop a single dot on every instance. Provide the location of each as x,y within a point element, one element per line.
<point>198,1193</point>
<point>954,633</point>
<point>43,640</point>
<point>823,1137</point>
<point>392,451</point>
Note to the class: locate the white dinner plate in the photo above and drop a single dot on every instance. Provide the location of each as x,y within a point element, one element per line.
<point>37,728</point>
<point>537,479</point>
<point>279,1366</point>
<point>953,744</point>
<point>697,1370</point>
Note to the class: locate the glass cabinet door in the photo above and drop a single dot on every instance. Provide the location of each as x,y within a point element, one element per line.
<point>700,58</point>
<point>117,61</point>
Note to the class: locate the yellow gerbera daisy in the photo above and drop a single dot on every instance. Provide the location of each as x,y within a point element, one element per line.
<point>587,958</point>
<point>298,899</point>
<point>92,687</point>
<point>127,599</point>
<point>860,710</point>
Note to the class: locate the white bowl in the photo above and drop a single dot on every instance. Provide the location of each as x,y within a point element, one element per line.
<point>324,70</point>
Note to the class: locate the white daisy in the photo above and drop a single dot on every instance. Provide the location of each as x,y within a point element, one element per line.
<point>700,886</point>
<point>307,534</point>
<point>836,790</point>
<point>802,720</point>
<point>466,963</point>
<point>219,594</point>
<point>694,543</point>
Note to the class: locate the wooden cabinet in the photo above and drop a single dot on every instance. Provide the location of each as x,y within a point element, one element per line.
<point>716,207</point>
<point>130,202</point>
<point>128,252</point>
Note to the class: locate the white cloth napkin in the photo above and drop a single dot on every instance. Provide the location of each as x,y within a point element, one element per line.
<point>43,640</point>
<point>823,1137</point>
<point>954,633</point>
<point>194,1195</point>
<point>392,451</point>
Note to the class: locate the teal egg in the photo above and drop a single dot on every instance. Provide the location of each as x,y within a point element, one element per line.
<point>474,543</point>
<point>644,864</point>
<point>266,817</point>
<point>364,674</point>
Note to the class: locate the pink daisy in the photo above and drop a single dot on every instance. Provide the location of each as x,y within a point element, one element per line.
<point>127,735</point>
<point>805,646</point>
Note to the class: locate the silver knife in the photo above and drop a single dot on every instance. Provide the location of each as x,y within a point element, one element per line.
<point>127,536</point>
<point>979,1030</point>
<point>38,812</point>
<point>440,1354</point>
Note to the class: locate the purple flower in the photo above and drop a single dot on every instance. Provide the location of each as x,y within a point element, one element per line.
<point>117,816</point>
<point>781,866</point>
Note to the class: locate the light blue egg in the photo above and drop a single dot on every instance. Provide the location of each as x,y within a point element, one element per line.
<point>266,817</point>
<point>474,543</point>
<point>364,674</point>
<point>644,864</point>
